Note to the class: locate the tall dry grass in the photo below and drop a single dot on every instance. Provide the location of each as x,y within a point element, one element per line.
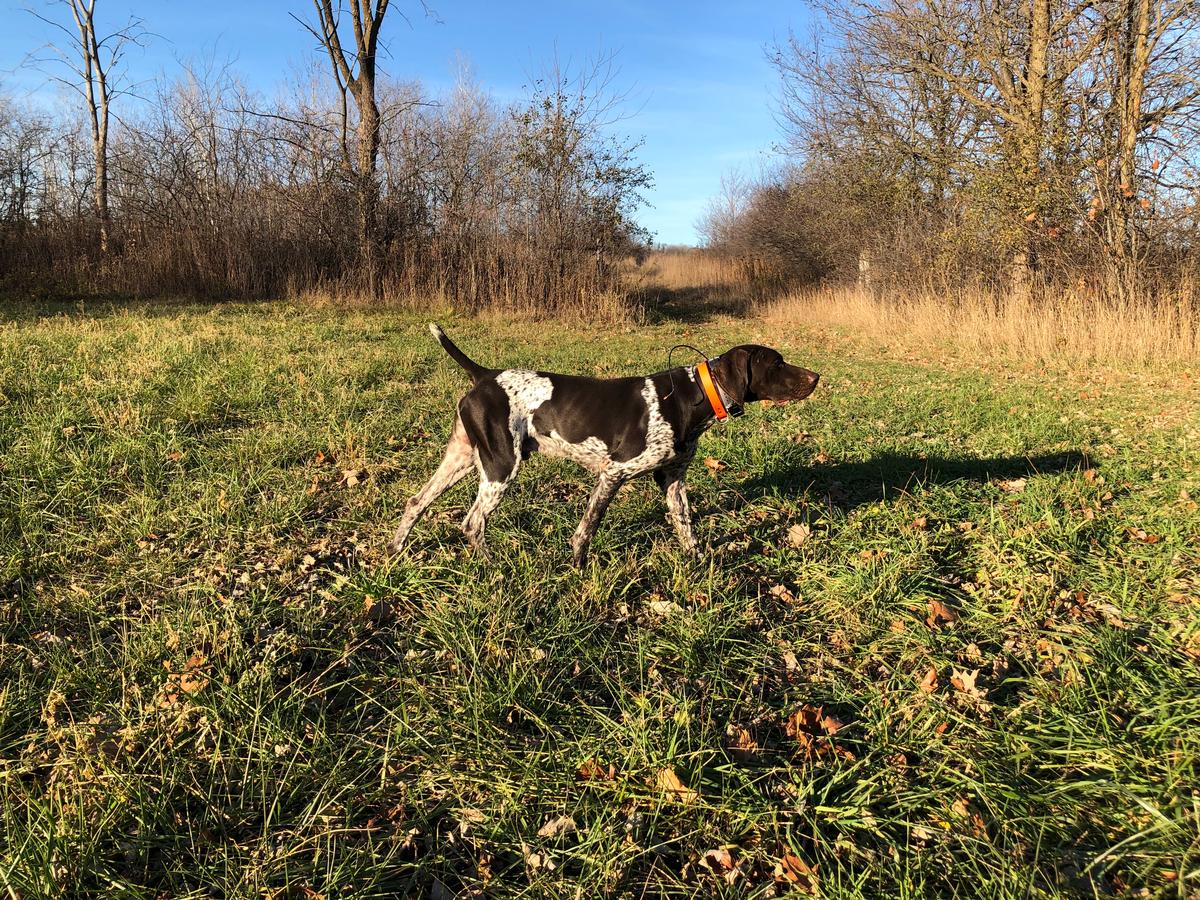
<point>1067,328</point>
<point>693,269</point>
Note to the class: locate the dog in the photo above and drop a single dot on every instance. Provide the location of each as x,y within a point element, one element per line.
<point>617,428</point>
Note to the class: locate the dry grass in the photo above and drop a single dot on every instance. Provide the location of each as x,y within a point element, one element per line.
<point>686,270</point>
<point>1068,328</point>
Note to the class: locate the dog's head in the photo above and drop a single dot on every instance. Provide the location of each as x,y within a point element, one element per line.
<point>749,372</point>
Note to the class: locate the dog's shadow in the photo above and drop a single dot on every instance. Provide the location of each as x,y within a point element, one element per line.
<point>887,475</point>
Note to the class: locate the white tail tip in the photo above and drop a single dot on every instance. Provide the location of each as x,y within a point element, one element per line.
<point>436,331</point>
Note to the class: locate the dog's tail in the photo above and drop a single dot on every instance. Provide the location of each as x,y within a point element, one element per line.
<point>476,371</point>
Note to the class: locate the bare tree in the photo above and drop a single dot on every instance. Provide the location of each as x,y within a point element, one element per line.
<point>355,74</point>
<point>94,61</point>
<point>1149,94</point>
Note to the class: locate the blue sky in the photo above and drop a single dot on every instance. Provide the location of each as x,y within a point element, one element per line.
<point>699,84</point>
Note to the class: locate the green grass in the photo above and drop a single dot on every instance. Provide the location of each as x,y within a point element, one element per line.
<point>214,682</point>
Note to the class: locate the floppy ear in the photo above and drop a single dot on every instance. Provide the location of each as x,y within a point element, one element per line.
<point>732,370</point>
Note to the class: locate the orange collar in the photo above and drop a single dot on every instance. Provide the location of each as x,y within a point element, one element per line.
<point>714,396</point>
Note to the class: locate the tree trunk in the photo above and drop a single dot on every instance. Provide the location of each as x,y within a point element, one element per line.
<point>368,188</point>
<point>1131,66</point>
<point>1030,142</point>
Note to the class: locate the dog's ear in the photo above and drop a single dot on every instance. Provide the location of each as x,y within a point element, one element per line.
<point>732,370</point>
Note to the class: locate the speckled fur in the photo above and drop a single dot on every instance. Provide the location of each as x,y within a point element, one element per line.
<point>620,430</point>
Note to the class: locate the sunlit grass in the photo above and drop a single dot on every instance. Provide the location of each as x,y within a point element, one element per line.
<point>214,682</point>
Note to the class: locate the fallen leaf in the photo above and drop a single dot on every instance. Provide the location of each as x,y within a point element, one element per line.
<point>536,860</point>
<point>292,892</point>
<point>898,760</point>
<point>468,818</point>
<point>740,741</point>
<point>791,869</point>
<point>783,594</point>
<point>920,523</point>
<point>189,680</point>
<point>798,534</point>
<point>964,682</point>
<point>714,465</point>
<point>940,614</point>
<point>1013,486</point>
<point>1139,535</point>
<point>664,607</point>
<point>352,477</point>
<point>591,770</point>
<point>929,682</point>
<point>811,728</point>
<point>557,827</point>
<point>721,861</point>
<point>669,783</point>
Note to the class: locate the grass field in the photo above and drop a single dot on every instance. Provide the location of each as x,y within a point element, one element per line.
<point>944,638</point>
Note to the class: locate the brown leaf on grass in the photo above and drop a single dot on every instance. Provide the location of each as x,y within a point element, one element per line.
<point>722,862</point>
<point>1139,535</point>
<point>668,782</point>
<point>1012,486</point>
<point>811,728</point>
<point>929,681</point>
<point>783,594</point>
<point>964,682</point>
<point>353,477</point>
<point>791,869</point>
<point>558,827</point>
<point>798,534</point>
<point>740,741</point>
<point>962,808</point>
<point>821,457</point>
<point>189,680</point>
<point>714,465</point>
<point>319,458</point>
<point>292,892</point>
<point>940,614</point>
<point>719,859</point>
<point>536,860</point>
<point>920,523</point>
<point>591,770</point>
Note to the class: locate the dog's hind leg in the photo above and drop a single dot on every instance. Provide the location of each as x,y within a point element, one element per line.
<point>491,492</point>
<point>457,462</point>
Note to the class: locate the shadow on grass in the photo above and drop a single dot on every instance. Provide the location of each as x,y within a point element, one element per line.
<point>852,484</point>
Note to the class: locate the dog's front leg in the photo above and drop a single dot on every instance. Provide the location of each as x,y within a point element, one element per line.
<point>678,510</point>
<point>602,494</point>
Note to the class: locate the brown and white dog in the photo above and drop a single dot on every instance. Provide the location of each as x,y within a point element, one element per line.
<point>618,428</point>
